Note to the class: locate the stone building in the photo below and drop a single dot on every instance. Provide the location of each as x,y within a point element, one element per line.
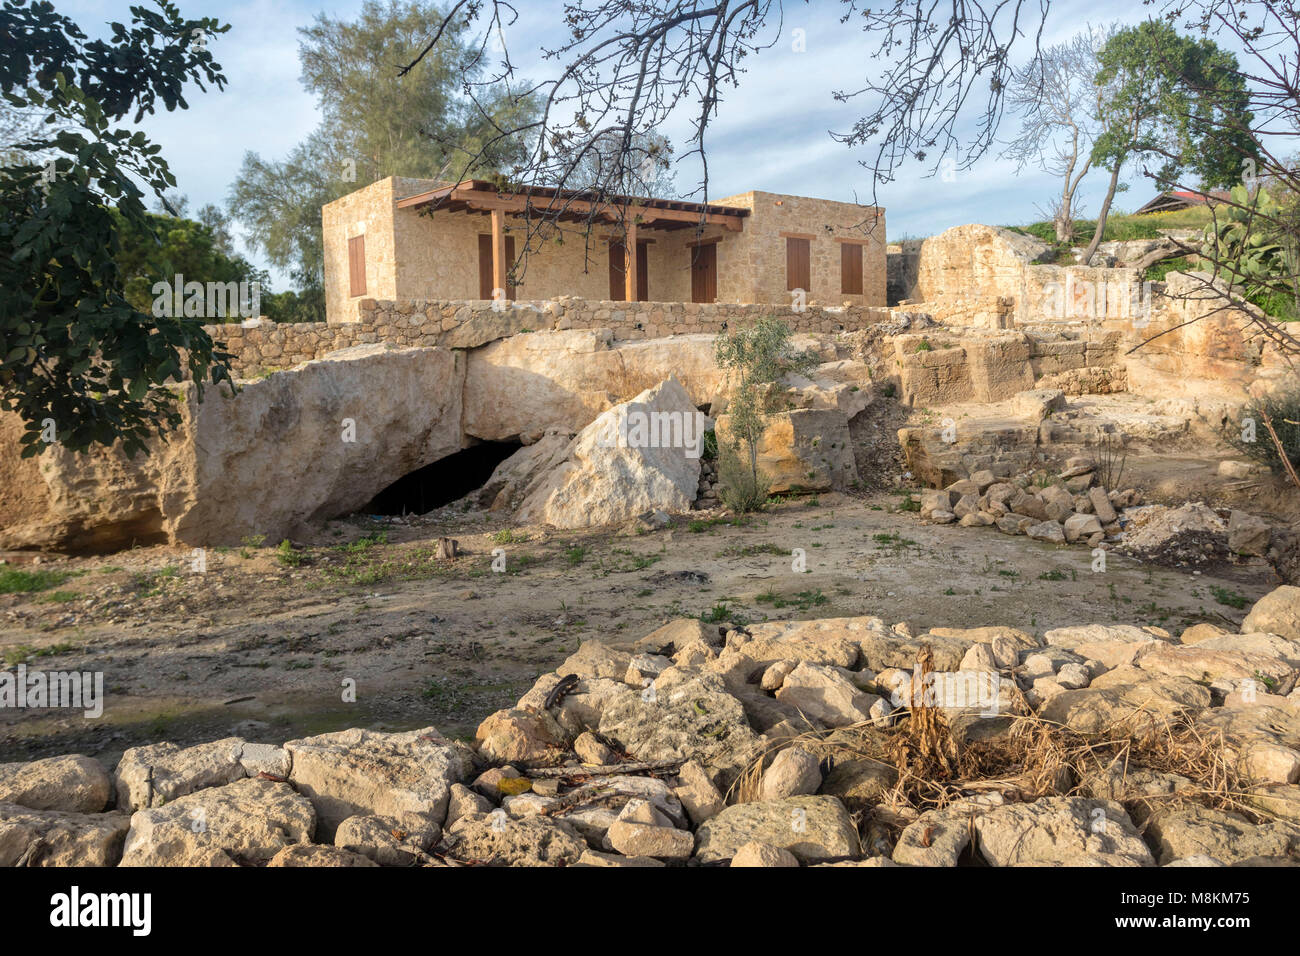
<point>415,239</point>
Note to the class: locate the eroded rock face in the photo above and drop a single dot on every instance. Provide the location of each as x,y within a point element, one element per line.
<point>604,479</point>
<point>313,442</point>
<point>520,386</point>
<point>806,449</point>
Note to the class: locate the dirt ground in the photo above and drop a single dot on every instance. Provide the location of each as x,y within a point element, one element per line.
<point>262,641</point>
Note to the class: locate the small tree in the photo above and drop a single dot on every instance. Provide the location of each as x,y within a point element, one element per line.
<point>1059,104</point>
<point>755,359</point>
<point>1170,99</point>
<point>76,357</point>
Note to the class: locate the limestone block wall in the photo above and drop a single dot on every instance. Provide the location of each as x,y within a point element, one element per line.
<point>367,212</point>
<point>939,368</point>
<point>752,264</point>
<point>409,323</point>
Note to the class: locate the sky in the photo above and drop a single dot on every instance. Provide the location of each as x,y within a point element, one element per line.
<point>772,132</point>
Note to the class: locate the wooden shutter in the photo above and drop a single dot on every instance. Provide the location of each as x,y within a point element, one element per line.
<point>357,265</point>
<point>617,289</point>
<point>850,268</point>
<point>643,272</point>
<point>704,273</point>
<point>510,262</point>
<point>798,261</point>
<point>485,266</point>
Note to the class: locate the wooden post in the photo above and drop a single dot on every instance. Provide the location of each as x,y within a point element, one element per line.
<point>499,265</point>
<point>629,262</point>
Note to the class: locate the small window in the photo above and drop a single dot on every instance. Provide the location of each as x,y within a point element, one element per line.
<point>798,260</point>
<point>850,268</point>
<point>357,265</point>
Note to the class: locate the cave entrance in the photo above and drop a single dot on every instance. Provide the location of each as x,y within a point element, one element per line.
<point>442,482</point>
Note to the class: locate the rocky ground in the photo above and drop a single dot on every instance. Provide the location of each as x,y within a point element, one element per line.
<point>259,643</point>
<point>832,741</point>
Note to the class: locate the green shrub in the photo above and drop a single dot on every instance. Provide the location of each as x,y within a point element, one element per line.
<point>1251,438</point>
<point>740,487</point>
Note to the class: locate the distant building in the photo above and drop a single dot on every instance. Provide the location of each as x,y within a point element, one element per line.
<point>413,239</point>
<point>1182,199</point>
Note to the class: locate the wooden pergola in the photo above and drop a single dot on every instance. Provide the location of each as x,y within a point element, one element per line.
<point>482,197</point>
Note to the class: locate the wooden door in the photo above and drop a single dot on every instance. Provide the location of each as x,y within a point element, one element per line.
<point>357,266</point>
<point>617,289</point>
<point>798,265</point>
<point>485,266</point>
<point>704,273</point>
<point>850,268</point>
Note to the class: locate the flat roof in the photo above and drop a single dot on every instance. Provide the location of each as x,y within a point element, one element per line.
<point>478,195</point>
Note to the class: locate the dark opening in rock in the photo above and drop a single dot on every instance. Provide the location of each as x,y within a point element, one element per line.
<point>442,482</point>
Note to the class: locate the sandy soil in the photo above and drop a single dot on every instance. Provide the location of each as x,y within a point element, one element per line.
<point>261,642</point>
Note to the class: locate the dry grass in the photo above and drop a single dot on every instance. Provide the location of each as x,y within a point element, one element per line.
<point>1034,758</point>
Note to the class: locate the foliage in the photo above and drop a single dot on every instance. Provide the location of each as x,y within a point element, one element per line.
<point>163,246</point>
<point>742,486</point>
<point>1251,438</point>
<point>755,360</point>
<point>75,354</point>
<point>1248,242</point>
<point>1171,100</point>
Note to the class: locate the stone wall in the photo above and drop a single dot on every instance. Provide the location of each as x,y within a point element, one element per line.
<point>942,367</point>
<point>471,323</point>
<point>752,263</point>
<point>1172,341</point>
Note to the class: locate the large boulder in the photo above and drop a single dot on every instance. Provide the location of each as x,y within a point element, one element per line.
<point>611,474</point>
<point>1051,831</point>
<point>56,838</point>
<point>1219,834</point>
<point>159,773</point>
<point>1277,612</point>
<point>243,823</point>
<point>1140,703</point>
<point>74,783</point>
<point>684,715</point>
<point>362,771</point>
<point>805,449</point>
<point>1061,831</point>
<point>520,386</point>
<point>813,828</point>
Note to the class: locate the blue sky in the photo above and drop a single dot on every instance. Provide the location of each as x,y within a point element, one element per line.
<point>771,133</point>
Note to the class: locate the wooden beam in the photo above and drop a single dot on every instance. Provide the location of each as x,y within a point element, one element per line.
<point>499,265</point>
<point>797,235</point>
<point>519,205</point>
<point>629,262</point>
